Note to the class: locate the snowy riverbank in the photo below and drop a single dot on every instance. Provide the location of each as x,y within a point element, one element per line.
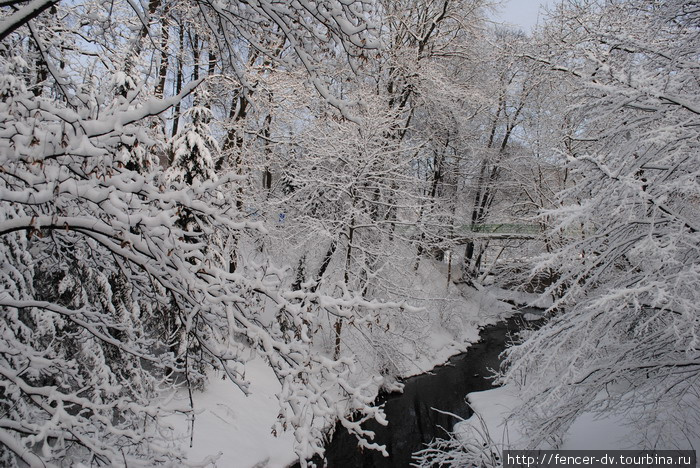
<point>238,429</point>
<point>492,429</point>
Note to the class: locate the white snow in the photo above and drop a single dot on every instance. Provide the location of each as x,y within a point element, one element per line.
<point>589,431</point>
<point>521,298</point>
<point>490,420</point>
<point>239,429</point>
<point>236,428</point>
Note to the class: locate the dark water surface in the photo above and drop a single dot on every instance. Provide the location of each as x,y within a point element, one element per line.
<point>412,421</point>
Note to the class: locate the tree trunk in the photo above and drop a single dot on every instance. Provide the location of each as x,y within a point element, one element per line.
<point>346,278</point>
<point>178,79</point>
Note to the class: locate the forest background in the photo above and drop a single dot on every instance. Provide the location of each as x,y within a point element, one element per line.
<point>186,186</point>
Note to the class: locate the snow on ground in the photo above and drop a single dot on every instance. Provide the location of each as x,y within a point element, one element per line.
<point>520,298</point>
<point>490,423</point>
<point>238,428</point>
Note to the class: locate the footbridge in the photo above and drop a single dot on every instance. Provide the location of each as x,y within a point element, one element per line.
<point>505,231</point>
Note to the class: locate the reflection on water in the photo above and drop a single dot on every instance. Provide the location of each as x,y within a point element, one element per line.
<point>412,421</point>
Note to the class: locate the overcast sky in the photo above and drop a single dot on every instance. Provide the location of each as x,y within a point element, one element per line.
<point>523,13</point>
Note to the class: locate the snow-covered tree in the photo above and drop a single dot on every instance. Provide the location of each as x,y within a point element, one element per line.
<point>193,150</point>
<point>94,251</point>
<point>369,199</point>
<point>344,184</point>
<point>623,336</point>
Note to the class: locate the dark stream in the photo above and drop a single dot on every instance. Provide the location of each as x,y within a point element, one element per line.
<point>412,420</point>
